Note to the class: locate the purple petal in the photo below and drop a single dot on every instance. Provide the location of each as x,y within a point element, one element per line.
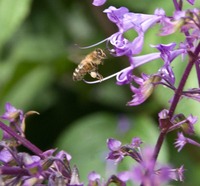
<point>98,2</point>
<point>113,144</point>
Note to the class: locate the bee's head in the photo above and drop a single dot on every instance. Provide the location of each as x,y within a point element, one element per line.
<point>100,53</point>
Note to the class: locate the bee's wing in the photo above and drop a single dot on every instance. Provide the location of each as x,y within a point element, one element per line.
<point>74,55</point>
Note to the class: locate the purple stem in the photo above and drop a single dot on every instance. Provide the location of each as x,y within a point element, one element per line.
<point>13,171</point>
<point>24,141</point>
<point>178,93</point>
<point>177,5</point>
<point>198,72</point>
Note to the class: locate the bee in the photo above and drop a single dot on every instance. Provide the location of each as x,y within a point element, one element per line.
<point>90,65</point>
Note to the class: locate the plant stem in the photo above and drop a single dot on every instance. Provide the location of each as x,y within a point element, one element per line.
<point>24,141</point>
<point>177,95</point>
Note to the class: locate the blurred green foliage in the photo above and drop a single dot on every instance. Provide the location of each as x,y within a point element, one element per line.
<point>38,52</point>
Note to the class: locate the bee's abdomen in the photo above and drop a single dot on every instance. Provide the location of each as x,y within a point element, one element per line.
<point>81,71</point>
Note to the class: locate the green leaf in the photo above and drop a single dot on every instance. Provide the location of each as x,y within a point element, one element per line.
<point>12,14</point>
<point>28,86</point>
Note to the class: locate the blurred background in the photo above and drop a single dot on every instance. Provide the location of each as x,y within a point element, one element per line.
<point>38,53</point>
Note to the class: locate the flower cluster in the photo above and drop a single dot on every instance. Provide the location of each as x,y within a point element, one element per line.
<point>146,171</point>
<point>21,168</point>
<point>186,22</point>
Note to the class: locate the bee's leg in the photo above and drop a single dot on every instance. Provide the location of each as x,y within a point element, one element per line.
<point>95,74</point>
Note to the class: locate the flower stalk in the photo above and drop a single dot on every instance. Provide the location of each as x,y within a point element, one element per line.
<point>177,95</point>
<point>22,140</point>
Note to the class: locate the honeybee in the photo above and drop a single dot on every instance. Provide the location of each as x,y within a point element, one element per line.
<point>90,65</point>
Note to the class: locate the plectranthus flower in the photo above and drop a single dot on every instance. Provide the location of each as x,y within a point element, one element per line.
<point>16,119</point>
<point>149,172</point>
<point>147,83</point>
<point>41,168</point>
<point>126,21</point>
<point>146,171</point>
<point>185,123</point>
<point>146,86</point>
<point>178,121</point>
<point>177,174</point>
<point>119,151</point>
<point>181,141</point>
<point>193,93</point>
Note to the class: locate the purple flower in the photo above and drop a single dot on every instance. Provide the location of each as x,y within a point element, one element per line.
<point>163,114</point>
<point>98,2</point>
<point>119,151</point>
<point>181,141</point>
<point>115,147</point>
<point>12,114</point>
<point>124,47</point>
<point>177,174</point>
<point>145,172</point>
<point>32,164</point>
<point>125,76</point>
<point>193,93</point>
<point>186,124</point>
<point>63,155</point>
<point>19,168</point>
<point>146,86</point>
<point>125,21</point>
<point>189,128</point>
<point>94,179</point>
<point>168,54</point>
<point>116,15</point>
<point>136,142</point>
<point>169,26</point>
<point>5,154</point>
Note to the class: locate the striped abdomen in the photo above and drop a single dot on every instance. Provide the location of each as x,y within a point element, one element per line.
<point>82,70</point>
